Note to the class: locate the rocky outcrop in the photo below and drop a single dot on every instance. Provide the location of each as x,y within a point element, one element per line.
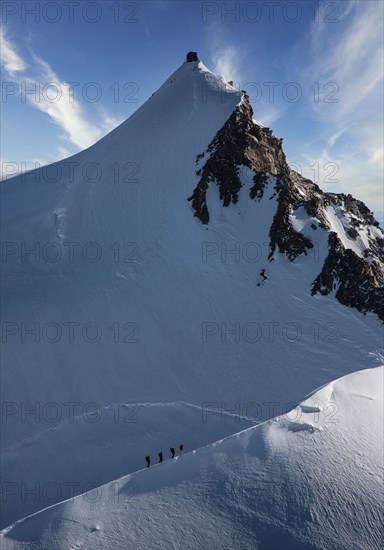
<point>356,283</point>
<point>358,280</point>
<point>282,235</point>
<point>240,142</point>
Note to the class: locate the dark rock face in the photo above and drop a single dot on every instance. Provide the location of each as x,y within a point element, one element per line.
<point>239,142</point>
<point>282,235</point>
<point>358,281</point>
<point>260,179</point>
<point>192,56</point>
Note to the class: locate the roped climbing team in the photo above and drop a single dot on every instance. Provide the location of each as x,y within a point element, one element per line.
<point>148,458</point>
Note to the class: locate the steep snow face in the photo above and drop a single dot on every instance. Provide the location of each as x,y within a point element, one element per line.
<point>132,170</point>
<point>311,479</point>
<point>131,317</point>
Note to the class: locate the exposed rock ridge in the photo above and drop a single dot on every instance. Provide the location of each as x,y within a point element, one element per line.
<point>239,142</point>
<point>358,281</point>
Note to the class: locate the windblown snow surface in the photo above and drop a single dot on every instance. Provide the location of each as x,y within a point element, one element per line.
<point>146,321</point>
<point>311,479</point>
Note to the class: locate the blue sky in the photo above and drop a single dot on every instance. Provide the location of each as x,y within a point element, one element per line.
<point>313,70</point>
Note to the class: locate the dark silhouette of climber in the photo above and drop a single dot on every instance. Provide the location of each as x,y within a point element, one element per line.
<point>172,451</point>
<point>148,459</point>
<point>160,457</point>
<point>181,449</point>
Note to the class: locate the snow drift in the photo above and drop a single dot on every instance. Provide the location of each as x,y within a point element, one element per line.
<point>312,479</point>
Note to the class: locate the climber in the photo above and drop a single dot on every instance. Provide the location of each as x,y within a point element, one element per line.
<point>160,456</point>
<point>148,459</point>
<point>181,448</point>
<point>172,452</point>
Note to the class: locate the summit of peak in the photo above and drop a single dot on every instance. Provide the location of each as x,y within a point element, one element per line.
<point>193,75</point>
<point>192,56</point>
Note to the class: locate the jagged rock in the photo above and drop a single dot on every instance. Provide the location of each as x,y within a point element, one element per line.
<point>358,284</point>
<point>257,190</point>
<point>239,142</point>
<point>352,232</point>
<point>357,280</point>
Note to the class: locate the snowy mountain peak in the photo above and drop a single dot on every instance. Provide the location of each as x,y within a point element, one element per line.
<point>176,262</point>
<point>207,87</point>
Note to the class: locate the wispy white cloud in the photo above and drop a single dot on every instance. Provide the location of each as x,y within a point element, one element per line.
<point>63,152</point>
<point>352,59</point>
<point>226,62</point>
<point>108,121</point>
<point>349,54</point>
<point>267,115</point>
<point>10,59</point>
<point>227,57</point>
<point>66,111</point>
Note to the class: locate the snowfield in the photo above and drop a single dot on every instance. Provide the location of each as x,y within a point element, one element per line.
<point>311,479</point>
<point>129,327</point>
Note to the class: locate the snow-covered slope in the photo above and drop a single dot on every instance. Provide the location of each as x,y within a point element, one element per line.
<point>311,479</point>
<point>145,316</point>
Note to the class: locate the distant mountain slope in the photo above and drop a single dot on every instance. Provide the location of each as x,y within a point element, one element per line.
<point>312,479</point>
